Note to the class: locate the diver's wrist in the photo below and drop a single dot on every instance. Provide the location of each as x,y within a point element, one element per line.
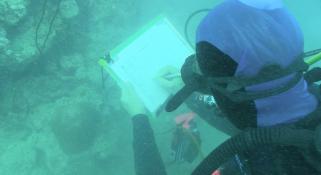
<point>139,115</point>
<point>137,112</point>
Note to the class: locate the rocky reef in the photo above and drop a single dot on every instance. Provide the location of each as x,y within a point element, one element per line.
<point>28,28</point>
<point>56,116</point>
<point>12,11</point>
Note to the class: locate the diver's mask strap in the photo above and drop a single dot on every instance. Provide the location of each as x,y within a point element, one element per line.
<point>235,84</point>
<point>268,73</point>
<point>240,96</point>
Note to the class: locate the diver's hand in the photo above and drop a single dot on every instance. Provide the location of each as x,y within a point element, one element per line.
<point>130,101</point>
<point>169,78</point>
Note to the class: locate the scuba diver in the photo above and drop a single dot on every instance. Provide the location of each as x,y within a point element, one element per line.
<point>147,159</point>
<point>249,56</point>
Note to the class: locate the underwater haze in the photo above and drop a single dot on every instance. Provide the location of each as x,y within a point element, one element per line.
<point>60,112</point>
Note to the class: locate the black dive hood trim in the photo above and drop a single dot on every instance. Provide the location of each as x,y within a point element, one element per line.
<point>248,140</point>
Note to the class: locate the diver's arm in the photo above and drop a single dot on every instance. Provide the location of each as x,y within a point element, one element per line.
<point>146,155</point>
<point>147,158</point>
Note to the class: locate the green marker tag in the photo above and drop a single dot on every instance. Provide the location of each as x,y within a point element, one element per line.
<point>314,59</point>
<point>103,63</point>
<point>106,67</point>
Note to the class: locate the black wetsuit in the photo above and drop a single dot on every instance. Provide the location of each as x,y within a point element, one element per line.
<point>146,155</point>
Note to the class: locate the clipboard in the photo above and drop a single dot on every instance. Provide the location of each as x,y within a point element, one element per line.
<point>139,59</point>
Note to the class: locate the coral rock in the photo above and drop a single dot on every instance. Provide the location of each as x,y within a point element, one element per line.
<point>69,9</point>
<point>12,11</point>
<point>3,39</point>
<point>76,126</point>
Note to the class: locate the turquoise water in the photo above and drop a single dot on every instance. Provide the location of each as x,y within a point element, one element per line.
<point>57,117</point>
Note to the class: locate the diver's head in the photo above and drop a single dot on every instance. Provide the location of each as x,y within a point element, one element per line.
<point>264,4</point>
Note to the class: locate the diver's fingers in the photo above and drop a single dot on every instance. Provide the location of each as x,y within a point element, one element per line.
<point>163,82</point>
<point>127,91</point>
<point>167,70</point>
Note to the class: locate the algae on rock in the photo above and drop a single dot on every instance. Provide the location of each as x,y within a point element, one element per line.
<point>3,39</point>
<point>69,9</point>
<point>45,109</point>
<point>76,127</point>
<point>12,11</point>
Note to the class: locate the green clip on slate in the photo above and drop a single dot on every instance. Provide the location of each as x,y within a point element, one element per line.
<point>314,59</point>
<point>106,66</point>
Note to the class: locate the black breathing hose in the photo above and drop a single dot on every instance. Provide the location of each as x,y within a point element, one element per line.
<point>191,16</point>
<point>311,53</point>
<point>247,141</point>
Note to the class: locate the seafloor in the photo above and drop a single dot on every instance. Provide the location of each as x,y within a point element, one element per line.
<point>50,81</point>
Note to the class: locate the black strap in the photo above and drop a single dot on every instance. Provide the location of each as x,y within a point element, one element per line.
<point>269,73</point>
<point>239,96</point>
<point>311,53</point>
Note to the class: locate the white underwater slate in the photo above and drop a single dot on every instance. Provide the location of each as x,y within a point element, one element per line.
<point>139,60</point>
